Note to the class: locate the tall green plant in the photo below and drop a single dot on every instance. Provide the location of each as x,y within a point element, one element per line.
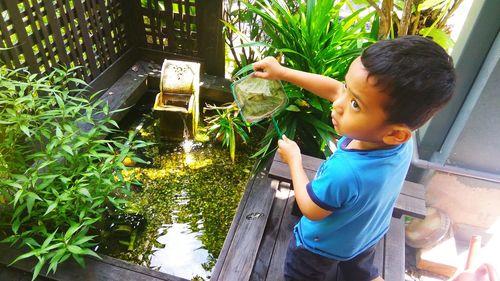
<point>59,179</point>
<point>313,37</point>
<point>226,125</point>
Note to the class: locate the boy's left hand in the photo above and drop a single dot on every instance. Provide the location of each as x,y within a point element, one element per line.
<point>289,151</point>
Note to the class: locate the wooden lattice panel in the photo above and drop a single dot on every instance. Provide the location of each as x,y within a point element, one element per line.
<point>42,34</point>
<point>171,25</point>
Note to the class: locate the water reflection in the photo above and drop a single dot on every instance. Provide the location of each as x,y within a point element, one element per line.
<point>182,253</point>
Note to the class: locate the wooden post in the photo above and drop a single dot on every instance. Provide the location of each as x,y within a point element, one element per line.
<point>210,37</point>
<point>134,24</point>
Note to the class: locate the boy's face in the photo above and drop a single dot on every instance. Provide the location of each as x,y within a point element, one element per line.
<point>358,111</point>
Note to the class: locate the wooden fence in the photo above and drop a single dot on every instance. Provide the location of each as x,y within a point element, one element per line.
<point>42,34</point>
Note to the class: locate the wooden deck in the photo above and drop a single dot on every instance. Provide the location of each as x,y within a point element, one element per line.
<point>256,245</point>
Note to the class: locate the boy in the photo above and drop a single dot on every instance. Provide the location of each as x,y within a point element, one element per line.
<point>393,88</point>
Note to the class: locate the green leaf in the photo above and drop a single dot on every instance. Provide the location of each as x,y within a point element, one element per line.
<point>85,192</point>
<point>30,201</point>
<point>31,242</point>
<point>438,36</point>
<point>89,252</point>
<point>113,122</point>
<point>49,239</point>
<point>293,108</point>
<point>83,239</point>
<point>25,130</point>
<point>15,225</point>
<point>56,258</point>
<point>10,239</point>
<point>15,184</point>
<point>69,233</point>
<point>75,249</point>
<point>79,260</point>
<point>24,256</point>
<point>431,4</point>
<point>38,268</point>
<point>67,149</point>
<point>244,69</point>
<point>59,133</point>
<point>51,207</point>
<point>314,102</point>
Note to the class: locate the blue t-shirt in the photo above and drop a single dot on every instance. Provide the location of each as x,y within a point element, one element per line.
<point>360,187</point>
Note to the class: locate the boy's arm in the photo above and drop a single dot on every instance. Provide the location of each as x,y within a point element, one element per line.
<point>290,153</point>
<point>322,86</point>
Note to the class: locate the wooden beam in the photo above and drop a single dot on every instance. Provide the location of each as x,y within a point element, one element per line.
<point>210,36</point>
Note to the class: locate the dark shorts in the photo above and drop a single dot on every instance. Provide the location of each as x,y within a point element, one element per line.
<point>301,264</point>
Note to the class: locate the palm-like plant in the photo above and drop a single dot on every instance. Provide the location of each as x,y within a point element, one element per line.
<point>314,38</point>
<point>408,17</point>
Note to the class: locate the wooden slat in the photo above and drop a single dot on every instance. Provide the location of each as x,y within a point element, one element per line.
<point>35,34</point>
<point>411,206</point>
<point>170,26</point>
<point>411,201</point>
<point>107,269</point>
<point>124,93</point>
<point>14,274</point>
<point>280,171</point>
<point>285,233</point>
<point>96,36</point>
<point>413,189</point>
<point>54,24</point>
<point>240,258</point>
<point>75,49</point>
<point>24,40</point>
<point>46,33</point>
<point>11,56</point>
<point>84,31</point>
<point>394,251</point>
<point>187,20</point>
<point>269,240</point>
<point>308,162</point>
<point>152,12</point>
<point>103,19</point>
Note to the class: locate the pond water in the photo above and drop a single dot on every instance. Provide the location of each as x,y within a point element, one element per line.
<point>178,219</point>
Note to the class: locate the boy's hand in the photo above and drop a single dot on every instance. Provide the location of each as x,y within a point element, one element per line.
<point>268,68</point>
<point>289,151</point>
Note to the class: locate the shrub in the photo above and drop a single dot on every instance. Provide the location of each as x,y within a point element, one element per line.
<point>58,178</point>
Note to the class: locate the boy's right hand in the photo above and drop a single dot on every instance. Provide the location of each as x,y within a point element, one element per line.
<point>268,68</point>
<point>289,151</point>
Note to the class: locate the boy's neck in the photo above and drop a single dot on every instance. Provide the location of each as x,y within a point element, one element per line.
<point>364,145</point>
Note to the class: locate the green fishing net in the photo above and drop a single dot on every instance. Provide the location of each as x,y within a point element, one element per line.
<point>258,98</point>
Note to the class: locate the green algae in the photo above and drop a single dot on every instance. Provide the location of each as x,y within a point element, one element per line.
<point>198,188</point>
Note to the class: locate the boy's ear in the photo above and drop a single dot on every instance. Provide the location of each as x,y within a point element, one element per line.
<point>397,134</point>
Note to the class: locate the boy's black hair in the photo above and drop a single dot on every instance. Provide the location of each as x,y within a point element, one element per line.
<point>416,73</point>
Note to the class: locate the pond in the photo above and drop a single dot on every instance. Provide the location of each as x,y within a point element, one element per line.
<point>182,210</point>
